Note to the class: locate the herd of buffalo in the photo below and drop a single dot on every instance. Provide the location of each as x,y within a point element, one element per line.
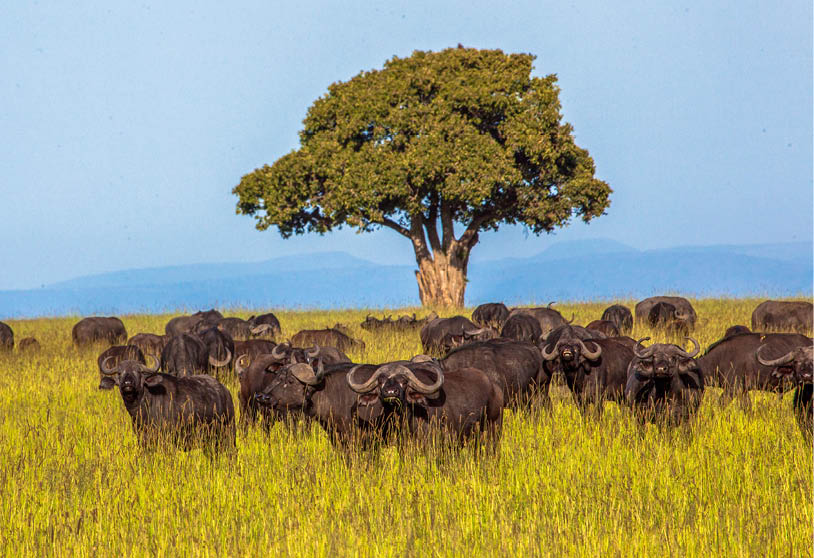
<point>471,370</point>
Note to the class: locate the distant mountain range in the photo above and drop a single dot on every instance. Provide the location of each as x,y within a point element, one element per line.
<point>579,270</point>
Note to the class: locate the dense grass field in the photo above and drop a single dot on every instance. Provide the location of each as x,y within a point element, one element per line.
<point>73,481</point>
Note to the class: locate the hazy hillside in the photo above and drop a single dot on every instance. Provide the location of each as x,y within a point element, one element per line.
<point>584,270</point>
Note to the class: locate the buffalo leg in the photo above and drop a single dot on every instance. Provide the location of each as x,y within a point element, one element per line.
<point>803,410</point>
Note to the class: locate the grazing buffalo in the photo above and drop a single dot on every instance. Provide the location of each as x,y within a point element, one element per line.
<point>188,411</point>
<point>522,327</point>
<point>796,367</point>
<point>492,314</point>
<point>422,397</point>
<point>620,316</point>
<point>253,348</point>
<point>665,316</point>
<point>664,382</point>
<point>220,347</point>
<point>515,366</point>
<point>113,356</point>
<point>326,338</point>
<point>239,329</point>
<point>736,330</point>
<point>185,355</point>
<point>549,318</point>
<point>595,370</point>
<point>6,337</point>
<point>89,331</point>
<point>149,343</point>
<point>255,375</point>
<point>777,315</point>
<point>28,345</point>
<point>605,327</point>
<point>187,324</point>
<point>402,323</point>
<point>730,363</point>
<point>443,334</point>
<point>270,320</point>
<point>683,309</point>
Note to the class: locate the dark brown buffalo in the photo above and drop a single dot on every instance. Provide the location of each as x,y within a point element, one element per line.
<point>28,345</point>
<point>549,318</point>
<point>89,331</point>
<point>185,355</point>
<point>605,327</point>
<point>522,327</point>
<point>736,330</point>
<point>326,338</point>
<point>730,363</point>
<point>220,348</point>
<point>515,366</point>
<point>113,356</point>
<point>491,314</point>
<point>402,323</point>
<point>149,343</point>
<point>666,317</point>
<point>441,335</point>
<point>782,315</point>
<point>6,337</point>
<point>255,375</point>
<point>594,369</point>
<point>796,367</point>
<point>187,324</point>
<point>270,320</point>
<point>620,316</point>
<point>664,383</point>
<point>187,412</point>
<point>253,348</point>
<point>683,309</point>
<point>239,329</point>
<point>419,397</point>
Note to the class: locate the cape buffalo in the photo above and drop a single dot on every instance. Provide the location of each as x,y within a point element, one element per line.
<point>595,370</point>
<point>515,366</point>
<point>253,348</point>
<point>185,355</point>
<point>94,330</point>
<point>492,314</point>
<point>186,324</point>
<point>184,411</point>
<point>730,363</point>
<point>326,338</point>
<point>113,356</point>
<point>796,367</point>
<point>777,315</point>
<point>620,316</point>
<point>6,337</point>
<point>605,327</point>
<point>402,323</point>
<point>239,329</point>
<point>549,318</point>
<point>149,343</point>
<point>424,398</point>
<point>683,309</point>
<point>255,375</point>
<point>522,327</point>
<point>443,334</point>
<point>664,382</point>
<point>665,316</point>
<point>736,330</point>
<point>220,347</point>
<point>28,345</point>
<point>270,320</point>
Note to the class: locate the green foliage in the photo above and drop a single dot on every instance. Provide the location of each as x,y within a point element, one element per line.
<point>73,481</point>
<point>465,132</point>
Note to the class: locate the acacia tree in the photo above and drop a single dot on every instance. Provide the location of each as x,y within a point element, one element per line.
<point>462,136</point>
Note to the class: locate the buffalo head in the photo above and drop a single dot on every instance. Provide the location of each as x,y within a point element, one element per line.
<point>661,360</point>
<point>795,366</point>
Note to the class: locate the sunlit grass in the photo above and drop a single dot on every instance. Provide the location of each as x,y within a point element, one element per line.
<point>73,481</point>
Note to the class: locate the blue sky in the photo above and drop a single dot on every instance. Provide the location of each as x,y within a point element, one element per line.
<point>125,127</point>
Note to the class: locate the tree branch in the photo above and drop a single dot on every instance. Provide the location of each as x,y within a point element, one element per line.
<point>396,227</point>
<point>430,223</point>
<point>470,236</point>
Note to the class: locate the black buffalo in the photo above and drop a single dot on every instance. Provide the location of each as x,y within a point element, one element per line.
<point>594,369</point>
<point>326,338</point>
<point>777,315</point>
<point>89,331</point>
<point>402,323</point>
<point>491,314</point>
<point>515,366</point>
<point>149,343</point>
<point>548,318</point>
<point>736,330</point>
<point>111,357</point>
<point>665,316</point>
<point>605,327</point>
<point>664,383</point>
<point>730,363</point>
<point>220,347</point>
<point>683,309</point>
<point>796,367</point>
<point>187,324</point>
<point>443,334</point>
<point>253,348</point>
<point>6,337</point>
<point>28,345</point>
<point>239,329</point>
<point>270,320</point>
<point>184,355</point>
<point>522,327</point>
<point>423,398</point>
<point>620,316</point>
<point>184,411</point>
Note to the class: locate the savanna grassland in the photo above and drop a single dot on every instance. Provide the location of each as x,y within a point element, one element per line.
<point>73,481</point>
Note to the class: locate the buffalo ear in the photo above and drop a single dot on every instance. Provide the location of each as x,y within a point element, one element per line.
<point>416,398</point>
<point>154,380</point>
<point>366,399</point>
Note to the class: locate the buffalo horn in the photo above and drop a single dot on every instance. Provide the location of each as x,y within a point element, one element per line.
<point>588,354</point>
<point>262,328</point>
<point>785,359</point>
<point>313,352</point>
<point>367,386</point>
<point>279,355</point>
<point>695,351</point>
<point>571,321</point>
<point>304,373</point>
<point>219,363</point>
<point>420,386</point>
<point>156,364</point>
<point>106,370</point>
<point>647,352</point>
<point>240,368</point>
<point>549,355</point>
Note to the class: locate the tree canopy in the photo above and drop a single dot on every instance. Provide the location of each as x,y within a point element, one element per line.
<point>462,135</point>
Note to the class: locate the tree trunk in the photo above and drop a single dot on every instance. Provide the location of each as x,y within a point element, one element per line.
<point>441,280</point>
